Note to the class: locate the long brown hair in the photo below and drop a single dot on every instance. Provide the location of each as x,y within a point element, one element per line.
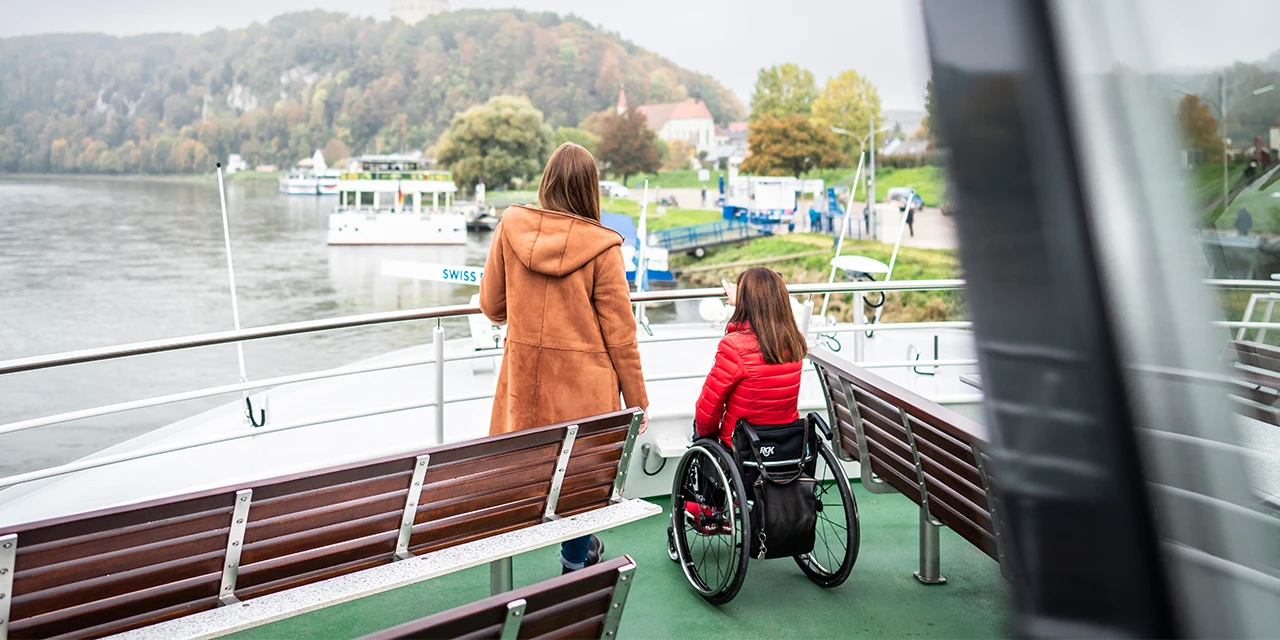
<point>764,305</point>
<point>571,183</point>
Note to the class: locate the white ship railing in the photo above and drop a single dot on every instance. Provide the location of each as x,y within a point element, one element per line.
<point>438,360</point>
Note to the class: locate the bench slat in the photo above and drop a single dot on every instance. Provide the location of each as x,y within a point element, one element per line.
<point>265,509</point>
<point>569,606</point>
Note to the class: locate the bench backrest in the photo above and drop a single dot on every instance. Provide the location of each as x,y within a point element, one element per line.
<point>927,452</point>
<point>1255,379</point>
<point>127,567</point>
<point>587,603</point>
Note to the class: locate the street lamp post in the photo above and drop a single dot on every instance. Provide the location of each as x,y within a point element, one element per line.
<point>871,180</point>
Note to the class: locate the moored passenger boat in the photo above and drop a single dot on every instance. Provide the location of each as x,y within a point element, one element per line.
<point>394,199</point>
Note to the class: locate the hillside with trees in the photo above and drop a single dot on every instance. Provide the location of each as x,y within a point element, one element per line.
<point>276,92</point>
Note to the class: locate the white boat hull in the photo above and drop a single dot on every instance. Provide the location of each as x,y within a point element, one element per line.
<point>397,228</point>
<point>327,186</point>
<point>298,186</point>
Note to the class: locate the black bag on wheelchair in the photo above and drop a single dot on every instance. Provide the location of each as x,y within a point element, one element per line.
<point>776,463</point>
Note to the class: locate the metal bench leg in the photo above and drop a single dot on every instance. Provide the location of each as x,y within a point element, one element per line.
<point>500,576</point>
<point>930,557</point>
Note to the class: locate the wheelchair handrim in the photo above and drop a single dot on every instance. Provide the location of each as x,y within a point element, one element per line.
<point>682,547</point>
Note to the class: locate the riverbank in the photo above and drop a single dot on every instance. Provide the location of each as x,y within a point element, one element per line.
<point>806,258</point>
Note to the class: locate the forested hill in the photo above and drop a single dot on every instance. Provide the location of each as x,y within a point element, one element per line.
<point>276,92</point>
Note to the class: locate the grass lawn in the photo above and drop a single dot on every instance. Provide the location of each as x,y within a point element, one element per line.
<point>253,176</point>
<point>929,182</point>
<point>659,221</point>
<point>912,264</point>
<point>670,180</point>
<point>1263,206</point>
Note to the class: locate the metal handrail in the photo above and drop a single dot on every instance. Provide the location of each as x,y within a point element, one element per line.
<point>312,326</point>
<point>439,313</point>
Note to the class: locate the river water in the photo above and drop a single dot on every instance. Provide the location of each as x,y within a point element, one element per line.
<point>90,262</point>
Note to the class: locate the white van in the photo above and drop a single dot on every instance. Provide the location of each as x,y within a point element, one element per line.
<point>611,189</point>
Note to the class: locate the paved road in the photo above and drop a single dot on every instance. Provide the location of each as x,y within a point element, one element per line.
<point>688,198</point>
<point>932,229</point>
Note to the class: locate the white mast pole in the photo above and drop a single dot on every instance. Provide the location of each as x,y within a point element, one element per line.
<point>231,277</point>
<point>642,267</point>
<point>844,230</point>
<point>902,229</point>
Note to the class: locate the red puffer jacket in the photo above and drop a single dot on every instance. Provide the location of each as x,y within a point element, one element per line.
<point>743,385</point>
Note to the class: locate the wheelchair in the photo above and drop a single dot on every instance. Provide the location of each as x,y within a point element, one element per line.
<point>779,479</point>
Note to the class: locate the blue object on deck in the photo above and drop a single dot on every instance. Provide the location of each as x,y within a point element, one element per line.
<point>833,203</point>
<point>626,227</point>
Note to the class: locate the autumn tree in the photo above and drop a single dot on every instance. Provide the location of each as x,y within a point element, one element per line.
<point>336,152</point>
<point>627,145</point>
<point>1198,127</point>
<point>495,142</point>
<point>783,90</point>
<point>849,101</point>
<point>679,155</point>
<point>790,145</point>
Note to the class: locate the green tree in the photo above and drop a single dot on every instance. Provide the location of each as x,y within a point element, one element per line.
<point>930,123</point>
<point>849,101</point>
<point>627,145</point>
<point>790,145</point>
<point>493,143</point>
<point>783,90</point>
<point>580,137</point>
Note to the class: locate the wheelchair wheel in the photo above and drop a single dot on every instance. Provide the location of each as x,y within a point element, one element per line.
<point>835,545</point>
<point>710,522</point>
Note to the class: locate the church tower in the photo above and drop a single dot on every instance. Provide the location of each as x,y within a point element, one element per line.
<point>622,102</point>
<point>415,11</point>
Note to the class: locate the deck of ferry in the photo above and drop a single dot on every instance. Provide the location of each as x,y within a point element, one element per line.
<point>881,598</point>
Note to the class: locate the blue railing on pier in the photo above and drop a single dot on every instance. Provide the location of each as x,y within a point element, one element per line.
<point>707,234</point>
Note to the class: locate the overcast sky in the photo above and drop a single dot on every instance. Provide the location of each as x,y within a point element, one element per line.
<point>729,39</point>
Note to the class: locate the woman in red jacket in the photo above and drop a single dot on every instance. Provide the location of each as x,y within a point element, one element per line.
<point>757,370</point>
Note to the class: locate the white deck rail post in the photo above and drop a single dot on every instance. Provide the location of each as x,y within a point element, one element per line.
<point>437,341</point>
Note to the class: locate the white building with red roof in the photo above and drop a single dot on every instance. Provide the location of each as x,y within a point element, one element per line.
<point>689,121</point>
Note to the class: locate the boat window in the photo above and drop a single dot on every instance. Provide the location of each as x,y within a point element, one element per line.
<point>1176,132</point>
<point>366,198</point>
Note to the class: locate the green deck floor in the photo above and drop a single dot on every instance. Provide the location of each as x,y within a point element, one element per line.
<point>881,599</point>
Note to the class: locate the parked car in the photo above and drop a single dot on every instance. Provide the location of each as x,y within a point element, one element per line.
<point>611,189</point>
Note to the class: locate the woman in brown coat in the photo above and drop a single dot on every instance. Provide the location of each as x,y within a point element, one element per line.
<point>555,277</point>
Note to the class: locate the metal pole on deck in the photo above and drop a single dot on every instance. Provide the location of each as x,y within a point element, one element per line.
<point>235,303</point>
<point>437,342</point>
<point>902,229</point>
<point>844,229</point>
<point>930,552</point>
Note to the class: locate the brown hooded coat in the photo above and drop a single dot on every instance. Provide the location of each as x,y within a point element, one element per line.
<point>557,280</point>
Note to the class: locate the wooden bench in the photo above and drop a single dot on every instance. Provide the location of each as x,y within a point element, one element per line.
<point>131,567</point>
<point>1255,380</point>
<point>583,604</point>
<point>927,452</point>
